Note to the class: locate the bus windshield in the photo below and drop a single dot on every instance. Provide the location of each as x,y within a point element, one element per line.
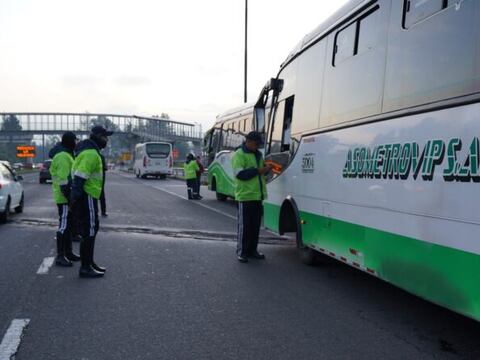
<point>158,150</point>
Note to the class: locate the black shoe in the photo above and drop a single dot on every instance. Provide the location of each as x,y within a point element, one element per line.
<point>242,259</point>
<point>61,260</point>
<point>98,268</point>
<point>89,272</point>
<point>72,257</point>
<point>104,215</point>
<point>257,255</point>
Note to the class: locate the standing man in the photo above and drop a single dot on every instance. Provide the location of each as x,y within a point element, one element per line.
<point>200,171</point>
<point>250,191</point>
<point>60,169</point>
<point>86,190</point>
<point>103,202</point>
<point>190,169</point>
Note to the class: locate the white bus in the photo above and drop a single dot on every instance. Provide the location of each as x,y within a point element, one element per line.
<point>374,139</point>
<point>153,159</point>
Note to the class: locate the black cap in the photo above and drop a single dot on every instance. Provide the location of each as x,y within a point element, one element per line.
<point>69,136</point>
<point>255,136</point>
<point>100,130</point>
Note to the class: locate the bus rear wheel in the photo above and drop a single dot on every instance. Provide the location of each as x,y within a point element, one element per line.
<point>289,222</point>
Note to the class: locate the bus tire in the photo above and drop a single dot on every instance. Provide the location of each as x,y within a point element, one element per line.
<point>290,222</point>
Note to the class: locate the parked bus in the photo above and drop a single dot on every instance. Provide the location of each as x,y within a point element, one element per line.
<point>374,142</point>
<point>153,159</point>
<point>220,143</point>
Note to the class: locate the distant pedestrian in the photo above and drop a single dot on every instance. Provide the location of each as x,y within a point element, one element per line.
<point>103,202</point>
<point>199,175</point>
<point>60,169</point>
<point>190,169</point>
<point>86,190</point>
<point>250,191</point>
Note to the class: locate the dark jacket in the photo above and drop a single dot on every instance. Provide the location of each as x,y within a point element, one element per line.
<point>57,149</point>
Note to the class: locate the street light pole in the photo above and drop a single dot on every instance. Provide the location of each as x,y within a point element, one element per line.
<point>246,50</point>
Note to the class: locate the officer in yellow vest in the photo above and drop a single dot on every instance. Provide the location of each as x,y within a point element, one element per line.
<point>60,169</point>
<point>86,190</point>
<point>190,169</point>
<point>250,191</point>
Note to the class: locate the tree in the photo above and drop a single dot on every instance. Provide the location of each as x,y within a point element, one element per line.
<point>11,123</point>
<point>8,150</point>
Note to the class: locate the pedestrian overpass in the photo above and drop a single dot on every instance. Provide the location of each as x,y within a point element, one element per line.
<point>22,127</point>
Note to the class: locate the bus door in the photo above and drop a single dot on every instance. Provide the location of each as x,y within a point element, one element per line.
<point>262,117</point>
<point>278,145</point>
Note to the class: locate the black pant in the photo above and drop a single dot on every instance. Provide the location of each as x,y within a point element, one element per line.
<point>65,220</point>
<point>86,212</point>
<point>192,190</point>
<point>249,221</point>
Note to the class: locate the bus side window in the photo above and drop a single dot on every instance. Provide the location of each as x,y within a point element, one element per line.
<point>345,44</point>
<point>418,10</point>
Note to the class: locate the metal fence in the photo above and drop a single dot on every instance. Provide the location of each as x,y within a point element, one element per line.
<point>156,129</point>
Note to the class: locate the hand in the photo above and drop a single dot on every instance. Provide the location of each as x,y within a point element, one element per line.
<point>265,169</point>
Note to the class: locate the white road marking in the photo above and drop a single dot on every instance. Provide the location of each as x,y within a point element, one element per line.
<point>12,338</point>
<point>45,265</point>
<point>196,202</point>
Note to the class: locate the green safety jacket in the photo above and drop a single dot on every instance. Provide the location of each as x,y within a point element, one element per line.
<point>190,169</point>
<point>249,184</point>
<point>88,165</point>
<point>61,170</point>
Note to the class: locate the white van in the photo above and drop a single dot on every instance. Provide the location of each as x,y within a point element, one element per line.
<point>153,159</point>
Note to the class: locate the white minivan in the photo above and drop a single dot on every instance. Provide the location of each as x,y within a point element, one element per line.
<point>11,193</point>
<point>153,159</point>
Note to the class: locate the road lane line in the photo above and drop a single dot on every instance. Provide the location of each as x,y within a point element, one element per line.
<point>11,340</point>
<point>196,202</point>
<point>45,265</point>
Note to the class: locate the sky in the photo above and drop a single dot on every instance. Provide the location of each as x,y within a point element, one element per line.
<point>145,57</point>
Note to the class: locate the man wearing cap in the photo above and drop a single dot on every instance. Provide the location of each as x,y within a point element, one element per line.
<point>60,169</point>
<point>86,190</point>
<point>250,191</point>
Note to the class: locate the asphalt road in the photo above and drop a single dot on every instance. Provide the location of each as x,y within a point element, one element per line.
<point>173,290</point>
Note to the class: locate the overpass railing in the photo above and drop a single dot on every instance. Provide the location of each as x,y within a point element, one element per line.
<point>153,128</point>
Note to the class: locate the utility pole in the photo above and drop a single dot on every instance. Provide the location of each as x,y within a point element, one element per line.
<point>246,51</point>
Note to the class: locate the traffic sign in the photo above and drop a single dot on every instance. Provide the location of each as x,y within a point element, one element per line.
<point>26,151</point>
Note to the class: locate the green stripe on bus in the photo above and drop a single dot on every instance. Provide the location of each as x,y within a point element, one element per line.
<point>224,183</point>
<point>443,275</point>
